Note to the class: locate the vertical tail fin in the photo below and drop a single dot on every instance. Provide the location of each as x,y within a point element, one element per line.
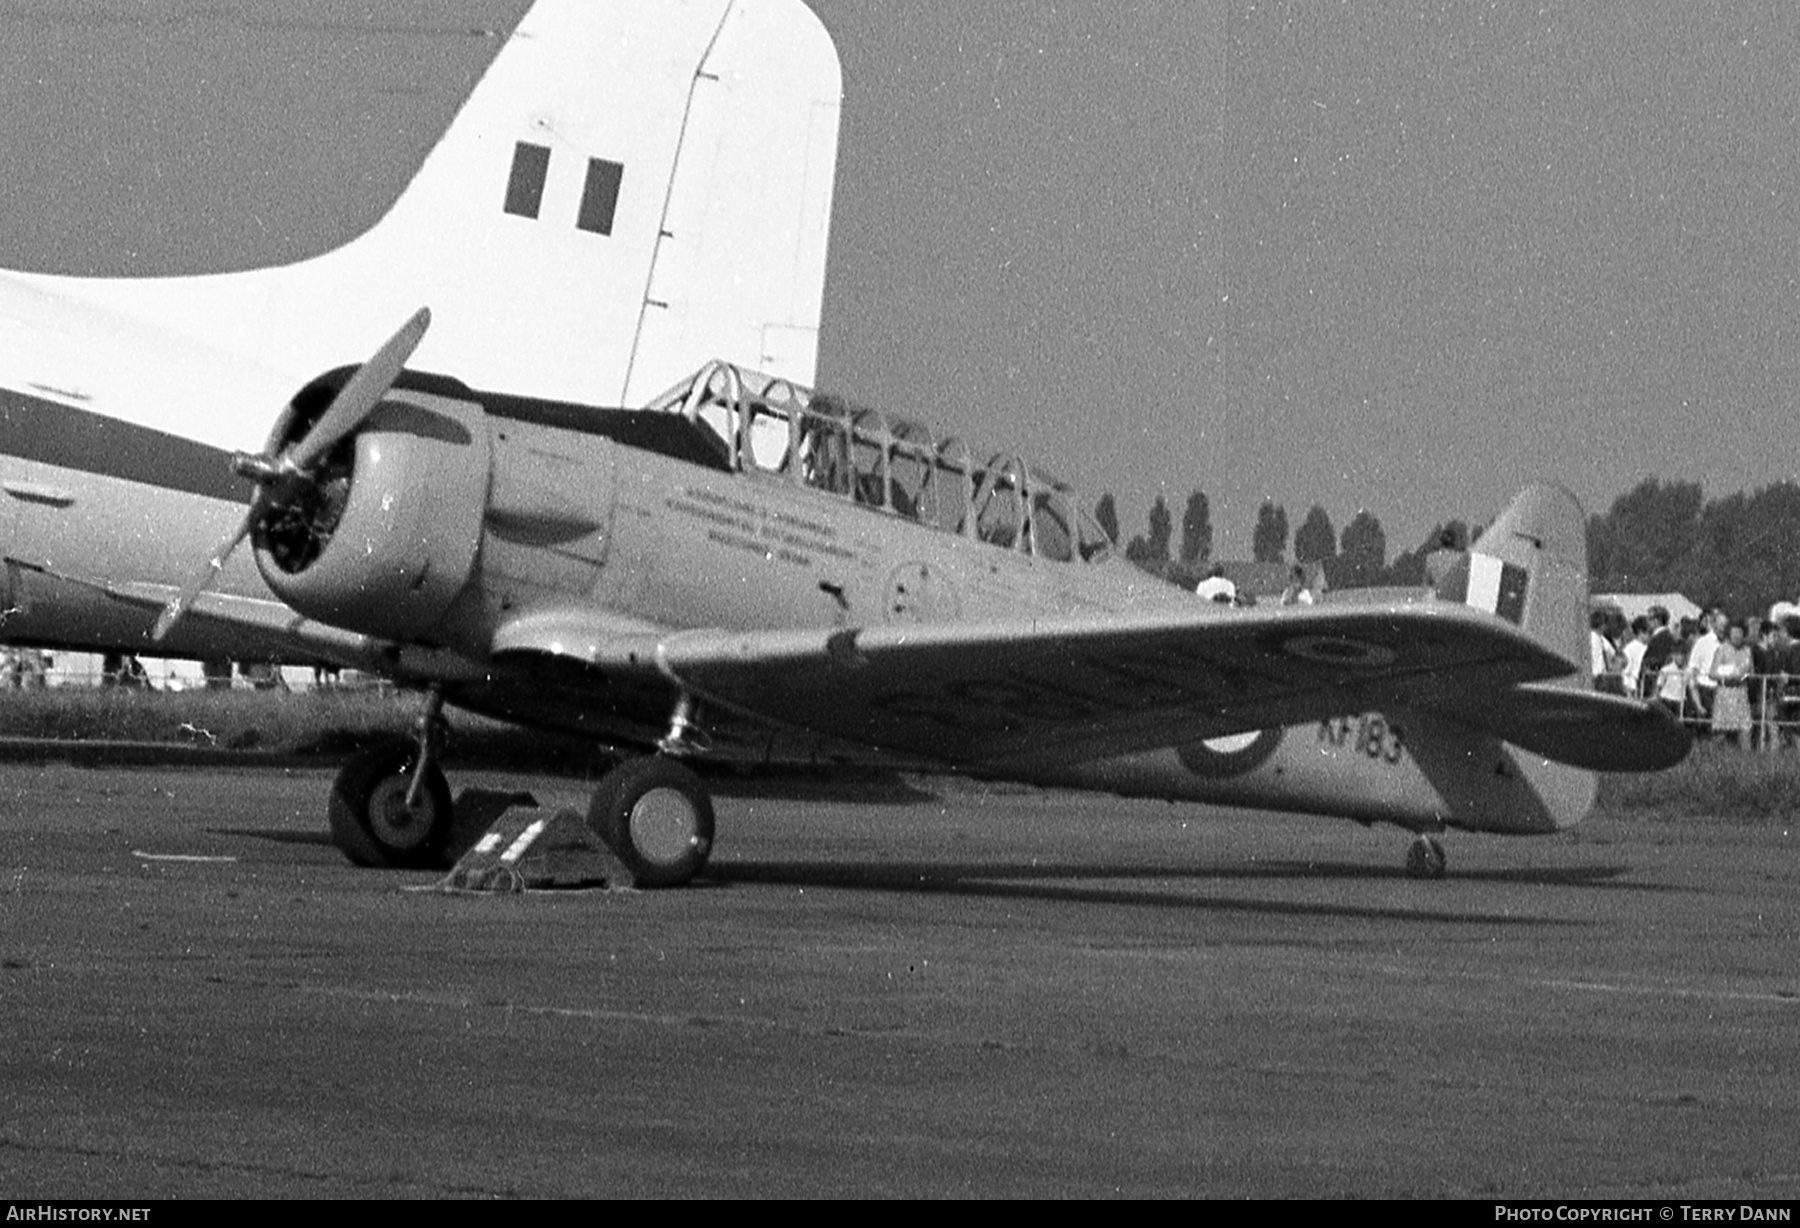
<point>1530,567</point>
<point>632,188</point>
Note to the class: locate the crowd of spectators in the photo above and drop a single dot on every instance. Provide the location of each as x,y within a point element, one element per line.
<point>1737,679</point>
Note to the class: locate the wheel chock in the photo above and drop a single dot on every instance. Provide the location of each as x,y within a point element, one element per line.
<point>526,847</point>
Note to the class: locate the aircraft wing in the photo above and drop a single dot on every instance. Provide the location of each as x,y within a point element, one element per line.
<point>1010,693</point>
<point>254,625</point>
<point>1078,688</point>
<point>223,624</point>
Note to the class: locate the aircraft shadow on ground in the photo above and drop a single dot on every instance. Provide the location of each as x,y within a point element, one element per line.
<point>1058,883</point>
<point>861,788</point>
<point>1600,878</point>
<point>1053,883</point>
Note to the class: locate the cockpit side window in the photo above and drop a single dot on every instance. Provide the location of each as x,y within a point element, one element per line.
<point>909,471</point>
<point>1000,518</point>
<point>949,489</point>
<point>713,400</point>
<point>1091,539</point>
<point>869,442</point>
<point>825,447</point>
<point>766,436</point>
<point>1050,528</point>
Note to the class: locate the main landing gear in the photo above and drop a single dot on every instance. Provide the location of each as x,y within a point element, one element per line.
<point>657,817</point>
<point>655,814</point>
<point>1425,859</point>
<point>374,823</point>
<point>391,807</point>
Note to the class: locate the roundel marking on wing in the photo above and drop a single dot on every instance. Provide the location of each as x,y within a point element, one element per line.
<point>1232,755</point>
<point>1339,650</point>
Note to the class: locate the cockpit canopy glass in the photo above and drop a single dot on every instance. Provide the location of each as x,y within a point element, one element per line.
<point>770,426</point>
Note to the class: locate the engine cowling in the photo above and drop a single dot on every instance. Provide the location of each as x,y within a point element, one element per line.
<point>385,537</point>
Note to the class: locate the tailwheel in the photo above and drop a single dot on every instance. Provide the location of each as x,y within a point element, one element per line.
<point>374,823</point>
<point>657,817</point>
<point>1426,858</point>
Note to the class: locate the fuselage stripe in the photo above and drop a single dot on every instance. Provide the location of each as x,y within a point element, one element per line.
<point>35,429</point>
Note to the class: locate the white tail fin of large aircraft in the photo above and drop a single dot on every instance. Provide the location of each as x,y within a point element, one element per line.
<point>632,188</point>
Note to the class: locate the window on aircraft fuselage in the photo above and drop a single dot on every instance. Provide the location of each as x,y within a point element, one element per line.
<point>766,436</point>
<point>1091,539</point>
<point>717,417</point>
<point>909,471</point>
<point>868,451</point>
<point>949,488</point>
<point>1050,536</point>
<point>1000,511</point>
<point>825,447</point>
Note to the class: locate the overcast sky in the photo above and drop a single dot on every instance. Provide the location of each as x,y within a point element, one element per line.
<point>1402,256</point>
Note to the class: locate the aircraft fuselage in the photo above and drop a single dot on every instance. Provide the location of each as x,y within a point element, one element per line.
<point>471,512</point>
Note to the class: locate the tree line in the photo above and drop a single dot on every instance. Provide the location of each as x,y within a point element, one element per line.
<point>1355,558</point>
<point>1741,551</point>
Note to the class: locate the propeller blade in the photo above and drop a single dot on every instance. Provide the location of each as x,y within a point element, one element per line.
<point>360,395</point>
<point>183,601</point>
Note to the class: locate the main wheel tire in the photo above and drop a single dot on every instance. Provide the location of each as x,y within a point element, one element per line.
<point>657,817</point>
<point>371,823</point>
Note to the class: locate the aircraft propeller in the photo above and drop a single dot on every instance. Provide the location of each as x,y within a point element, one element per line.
<point>279,477</point>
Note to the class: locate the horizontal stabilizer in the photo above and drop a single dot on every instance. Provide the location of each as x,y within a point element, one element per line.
<point>1580,728</point>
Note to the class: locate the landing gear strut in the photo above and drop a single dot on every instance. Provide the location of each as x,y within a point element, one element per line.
<point>1425,859</point>
<point>429,730</point>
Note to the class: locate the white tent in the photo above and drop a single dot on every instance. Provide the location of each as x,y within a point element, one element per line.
<point>1633,604</point>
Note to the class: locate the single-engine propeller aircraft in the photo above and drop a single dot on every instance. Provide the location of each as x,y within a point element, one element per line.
<point>736,567</point>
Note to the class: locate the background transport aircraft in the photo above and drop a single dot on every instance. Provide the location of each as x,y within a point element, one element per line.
<point>629,183</point>
<point>741,568</point>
